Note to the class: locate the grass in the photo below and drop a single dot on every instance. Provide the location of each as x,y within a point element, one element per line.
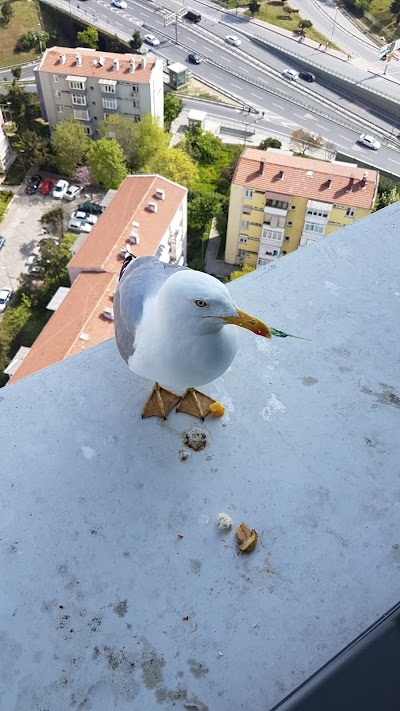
<point>15,175</point>
<point>385,22</point>
<point>272,12</point>
<point>25,17</point>
<point>5,198</point>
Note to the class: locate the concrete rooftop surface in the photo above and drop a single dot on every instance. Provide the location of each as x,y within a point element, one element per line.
<point>118,590</point>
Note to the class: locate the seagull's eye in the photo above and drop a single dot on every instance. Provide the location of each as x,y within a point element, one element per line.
<point>200,303</point>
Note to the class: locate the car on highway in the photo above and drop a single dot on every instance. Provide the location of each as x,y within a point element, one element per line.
<point>72,192</point>
<point>233,40</point>
<point>120,3</point>
<point>369,141</point>
<point>2,242</point>
<point>60,189</point>
<point>194,58</point>
<point>91,207</point>
<point>47,186</point>
<point>84,217</point>
<point>290,74</point>
<point>5,298</point>
<point>307,76</point>
<point>79,226</point>
<point>151,39</point>
<point>33,184</point>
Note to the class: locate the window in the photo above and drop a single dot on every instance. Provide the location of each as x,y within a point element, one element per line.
<point>243,239</point>
<point>241,253</point>
<point>88,130</point>
<point>280,204</point>
<point>81,115</point>
<point>245,224</point>
<point>293,207</point>
<point>76,85</point>
<point>135,88</point>
<point>317,213</point>
<point>314,227</point>
<point>283,251</point>
<point>109,103</point>
<point>135,104</point>
<point>55,78</point>
<point>57,94</point>
<point>136,119</point>
<point>262,262</point>
<point>59,109</point>
<point>248,193</point>
<point>246,210</point>
<point>286,239</point>
<point>290,224</point>
<point>78,100</point>
<point>350,212</point>
<point>108,88</point>
<point>270,234</point>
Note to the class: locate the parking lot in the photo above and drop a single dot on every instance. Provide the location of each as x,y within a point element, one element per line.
<point>22,229</point>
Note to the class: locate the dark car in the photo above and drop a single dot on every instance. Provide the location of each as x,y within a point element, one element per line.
<point>307,76</point>
<point>2,242</point>
<point>193,16</point>
<point>33,184</point>
<point>91,207</point>
<point>194,58</point>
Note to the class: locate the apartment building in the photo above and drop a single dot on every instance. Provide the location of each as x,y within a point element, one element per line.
<point>147,216</point>
<point>89,86</point>
<point>6,156</point>
<point>280,202</point>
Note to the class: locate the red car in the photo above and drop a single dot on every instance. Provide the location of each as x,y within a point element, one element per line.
<point>47,186</point>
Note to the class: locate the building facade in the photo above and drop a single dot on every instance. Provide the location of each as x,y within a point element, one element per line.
<point>89,86</point>
<point>6,156</point>
<point>280,202</point>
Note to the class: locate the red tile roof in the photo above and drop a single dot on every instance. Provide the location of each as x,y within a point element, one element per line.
<point>306,177</point>
<point>90,66</point>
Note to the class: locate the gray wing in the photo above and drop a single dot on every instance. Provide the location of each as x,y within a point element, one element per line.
<point>140,280</point>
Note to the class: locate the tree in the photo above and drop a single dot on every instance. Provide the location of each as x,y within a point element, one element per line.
<point>151,140</point>
<point>270,143</point>
<point>55,219</point>
<point>330,150</point>
<point>53,258</point>
<point>227,173</point>
<point>395,7</point>
<point>302,141</point>
<point>83,175</point>
<point>388,198</point>
<point>16,72</point>
<point>107,163</point>
<point>289,11</point>
<point>254,7</point>
<point>304,25</point>
<point>17,102</point>
<point>174,164</point>
<point>202,207</point>
<point>34,148</point>
<point>6,11</point>
<point>89,37</point>
<point>125,131</point>
<point>242,272</point>
<point>203,145</point>
<point>70,145</point>
<point>172,108</point>
<point>136,42</point>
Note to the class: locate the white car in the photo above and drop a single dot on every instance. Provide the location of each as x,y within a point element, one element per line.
<point>232,39</point>
<point>120,3</point>
<point>369,141</point>
<point>290,74</point>
<point>5,297</point>
<point>79,226</point>
<point>84,217</point>
<point>60,189</point>
<point>151,39</point>
<point>72,192</point>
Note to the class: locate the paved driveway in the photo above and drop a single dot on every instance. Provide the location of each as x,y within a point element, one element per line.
<point>22,230</point>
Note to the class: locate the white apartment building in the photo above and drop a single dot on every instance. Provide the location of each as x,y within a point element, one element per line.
<point>89,86</point>
<point>6,156</point>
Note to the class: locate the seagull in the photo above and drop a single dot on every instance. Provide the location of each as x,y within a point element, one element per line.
<point>173,325</point>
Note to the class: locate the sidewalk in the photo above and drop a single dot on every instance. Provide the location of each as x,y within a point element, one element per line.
<point>215,266</point>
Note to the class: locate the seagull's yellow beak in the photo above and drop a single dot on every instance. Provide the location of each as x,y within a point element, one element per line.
<point>250,322</point>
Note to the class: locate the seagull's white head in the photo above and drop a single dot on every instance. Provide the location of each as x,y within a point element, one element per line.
<point>203,304</point>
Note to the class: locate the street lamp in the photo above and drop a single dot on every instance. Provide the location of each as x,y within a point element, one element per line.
<point>334,24</point>
<point>39,37</point>
<point>21,150</point>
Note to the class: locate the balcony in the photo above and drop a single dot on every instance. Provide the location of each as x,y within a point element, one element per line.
<point>118,589</point>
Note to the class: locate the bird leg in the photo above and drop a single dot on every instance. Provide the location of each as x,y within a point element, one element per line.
<point>160,402</point>
<point>195,403</point>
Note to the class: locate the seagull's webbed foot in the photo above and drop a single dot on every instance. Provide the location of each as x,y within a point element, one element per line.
<point>195,403</point>
<point>160,402</point>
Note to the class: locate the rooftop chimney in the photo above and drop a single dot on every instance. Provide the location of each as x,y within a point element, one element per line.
<point>152,206</point>
<point>78,59</point>
<point>328,183</point>
<point>262,165</point>
<point>116,65</point>
<point>101,61</point>
<point>63,58</point>
<point>280,175</point>
<point>132,65</point>
<point>365,175</point>
<point>160,194</point>
<point>350,184</point>
<point>144,61</point>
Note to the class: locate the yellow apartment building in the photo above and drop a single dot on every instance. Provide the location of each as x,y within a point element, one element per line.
<point>280,202</point>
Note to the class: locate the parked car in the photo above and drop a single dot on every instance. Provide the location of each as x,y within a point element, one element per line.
<point>79,226</point>
<point>120,3</point>
<point>5,298</point>
<point>92,208</point>
<point>84,217</point>
<point>33,184</point>
<point>2,242</point>
<point>232,39</point>
<point>36,271</point>
<point>369,141</point>
<point>46,187</point>
<point>73,192</point>
<point>60,189</point>
<point>290,74</point>
<point>307,76</point>
<point>151,39</point>
<point>194,58</point>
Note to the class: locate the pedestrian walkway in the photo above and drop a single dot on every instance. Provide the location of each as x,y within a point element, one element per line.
<point>214,266</point>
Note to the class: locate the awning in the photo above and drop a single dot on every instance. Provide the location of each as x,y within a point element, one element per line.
<point>318,205</point>
<point>70,77</point>
<point>108,82</point>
